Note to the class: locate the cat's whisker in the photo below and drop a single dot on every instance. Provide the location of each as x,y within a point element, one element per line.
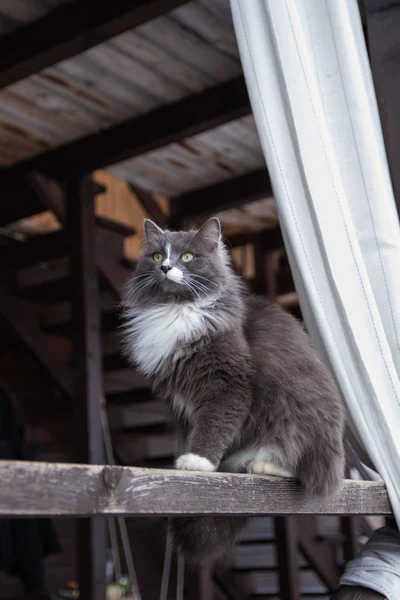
<point>196,285</point>
<point>186,284</point>
<point>199,286</point>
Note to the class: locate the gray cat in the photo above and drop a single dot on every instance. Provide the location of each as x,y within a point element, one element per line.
<point>239,373</point>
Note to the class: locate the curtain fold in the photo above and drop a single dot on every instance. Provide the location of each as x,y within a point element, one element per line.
<point>311,91</point>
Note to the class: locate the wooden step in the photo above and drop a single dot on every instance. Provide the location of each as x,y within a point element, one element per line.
<point>112,343</point>
<point>134,449</point>
<point>35,249</point>
<point>259,530</point>
<point>115,362</point>
<point>132,396</point>
<point>47,282</point>
<point>262,583</point>
<point>57,318</point>
<point>124,380</point>
<point>139,414</point>
<point>254,557</point>
<point>112,351</point>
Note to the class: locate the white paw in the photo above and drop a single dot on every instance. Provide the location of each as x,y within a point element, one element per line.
<point>194,462</point>
<point>265,467</point>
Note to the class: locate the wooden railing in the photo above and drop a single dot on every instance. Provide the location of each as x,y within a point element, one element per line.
<point>59,489</point>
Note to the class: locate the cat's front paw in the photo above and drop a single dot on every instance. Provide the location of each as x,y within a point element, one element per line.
<point>194,462</point>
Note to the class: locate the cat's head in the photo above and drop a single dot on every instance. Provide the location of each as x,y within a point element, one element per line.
<point>181,265</point>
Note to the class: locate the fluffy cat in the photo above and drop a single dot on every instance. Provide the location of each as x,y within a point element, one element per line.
<point>239,372</point>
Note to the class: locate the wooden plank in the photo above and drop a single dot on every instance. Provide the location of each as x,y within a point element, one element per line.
<point>124,380</point>
<point>58,316</point>
<point>143,449</point>
<point>138,414</point>
<point>87,490</point>
<point>69,30</point>
<point>266,585</point>
<point>228,194</point>
<point>171,123</point>
<point>81,232</point>
<point>210,26</point>
<point>184,44</point>
<point>287,555</point>
<point>35,249</point>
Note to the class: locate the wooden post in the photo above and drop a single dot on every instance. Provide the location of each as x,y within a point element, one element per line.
<point>199,583</point>
<point>88,375</point>
<point>383,22</point>
<point>265,275</point>
<point>287,555</point>
<point>351,546</point>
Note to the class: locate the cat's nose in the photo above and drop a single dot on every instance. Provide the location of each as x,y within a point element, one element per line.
<point>165,268</point>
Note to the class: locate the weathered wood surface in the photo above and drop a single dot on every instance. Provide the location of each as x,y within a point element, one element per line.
<point>170,123</point>
<point>88,389</point>
<point>69,30</point>
<point>226,194</point>
<point>36,488</point>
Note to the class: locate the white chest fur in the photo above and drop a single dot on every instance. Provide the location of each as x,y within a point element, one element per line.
<point>154,332</point>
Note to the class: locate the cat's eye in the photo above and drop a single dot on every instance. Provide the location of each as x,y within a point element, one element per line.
<point>187,257</point>
<point>157,256</point>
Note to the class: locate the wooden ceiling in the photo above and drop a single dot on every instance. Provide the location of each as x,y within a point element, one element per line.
<point>152,90</point>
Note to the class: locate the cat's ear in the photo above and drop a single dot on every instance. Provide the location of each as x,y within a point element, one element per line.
<point>210,232</point>
<point>152,231</point>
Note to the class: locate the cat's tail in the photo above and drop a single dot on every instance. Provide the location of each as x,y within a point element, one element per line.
<point>321,469</point>
<point>205,539</point>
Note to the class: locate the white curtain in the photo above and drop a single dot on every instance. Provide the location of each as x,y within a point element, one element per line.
<point>311,91</point>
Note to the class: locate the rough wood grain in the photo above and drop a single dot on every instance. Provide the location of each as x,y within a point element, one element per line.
<point>70,30</point>
<point>35,488</point>
<point>170,123</point>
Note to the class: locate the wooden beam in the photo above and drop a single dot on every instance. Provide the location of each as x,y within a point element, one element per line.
<point>171,123</point>
<point>88,490</point>
<point>69,30</point>
<point>226,194</point>
<point>271,239</point>
<point>150,205</point>
<point>320,555</point>
<point>81,232</point>
<point>124,380</point>
<point>265,269</point>
<point>383,23</point>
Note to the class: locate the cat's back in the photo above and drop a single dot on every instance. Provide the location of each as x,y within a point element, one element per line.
<point>272,332</point>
